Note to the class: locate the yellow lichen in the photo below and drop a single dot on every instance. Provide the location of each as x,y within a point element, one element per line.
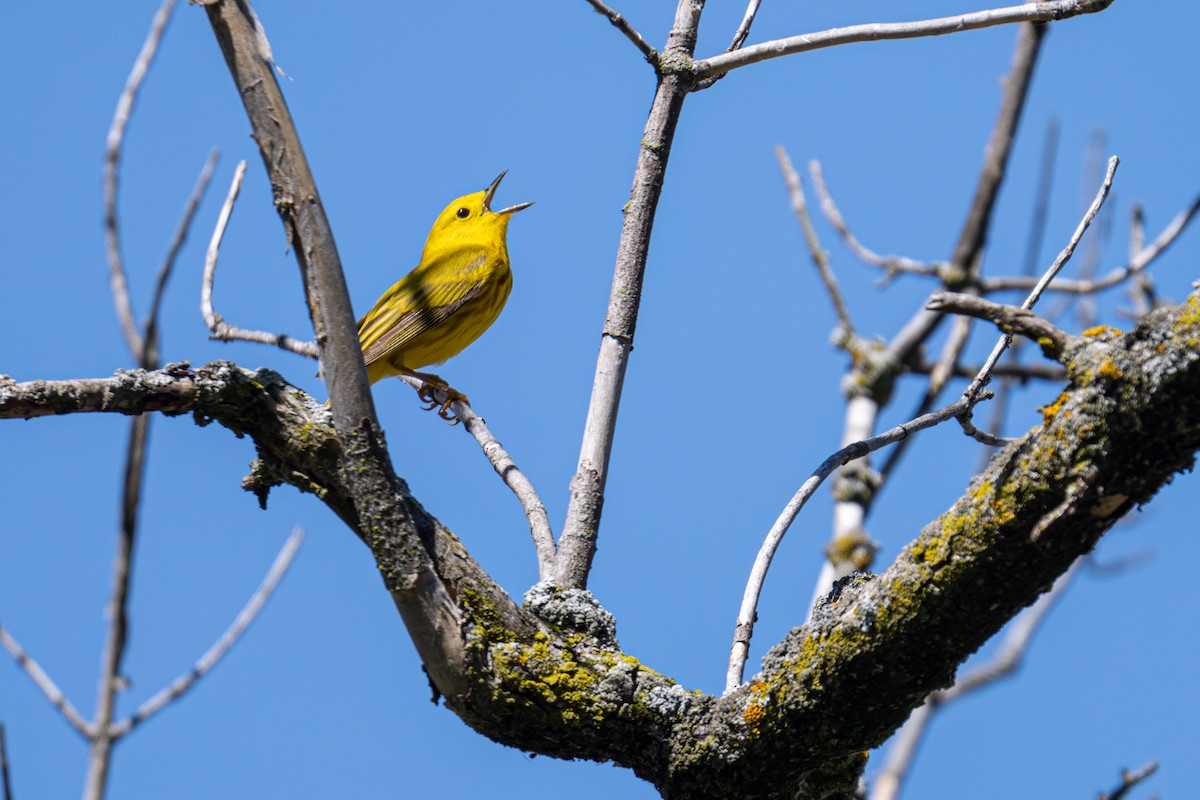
<point>1110,370</point>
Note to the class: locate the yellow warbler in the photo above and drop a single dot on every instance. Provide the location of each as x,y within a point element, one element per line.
<point>448,300</point>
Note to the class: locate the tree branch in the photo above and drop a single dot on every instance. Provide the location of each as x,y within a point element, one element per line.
<point>1142,259</point>
<point>620,23</point>
<point>43,681</point>
<point>1009,319</point>
<point>1007,661</point>
<point>228,639</point>
<point>873,32</point>
<point>244,45</point>
<point>506,468</point>
<point>218,327</point>
<point>577,545</point>
<point>558,684</point>
<point>112,164</point>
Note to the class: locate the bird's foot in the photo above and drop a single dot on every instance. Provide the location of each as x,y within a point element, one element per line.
<point>434,383</point>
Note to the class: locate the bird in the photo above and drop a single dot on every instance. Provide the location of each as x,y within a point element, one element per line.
<point>454,294</point>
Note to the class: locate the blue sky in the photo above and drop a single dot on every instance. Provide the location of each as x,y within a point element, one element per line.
<point>731,397</point>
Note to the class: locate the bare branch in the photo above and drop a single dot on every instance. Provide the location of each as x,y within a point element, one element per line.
<point>892,265</point>
<point>43,682</point>
<point>111,680</point>
<point>4,778</point>
<point>220,329</point>
<point>872,32</point>
<point>506,468</point>
<point>1010,319</point>
<point>298,202</point>
<point>1041,199</point>
<point>984,376</point>
<point>1130,780</point>
<point>819,256</point>
<point>1015,371</point>
<point>971,241</point>
<point>762,562</point>
<point>620,23</point>
<point>1135,266</point>
<point>1007,661</point>
<point>228,639</point>
<point>149,356</point>
<point>743,30</point>
<point>112,163</point>
<point>577,545</point>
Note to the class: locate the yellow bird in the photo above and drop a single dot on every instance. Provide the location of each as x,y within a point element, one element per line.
<point>448,300</point>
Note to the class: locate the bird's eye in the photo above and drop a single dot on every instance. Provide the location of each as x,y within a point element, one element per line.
<point>463,213</point>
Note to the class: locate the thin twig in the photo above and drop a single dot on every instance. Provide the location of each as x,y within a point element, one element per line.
<point>743,30</point>
<point>891,265</point>
<point>1011,372</point>
<point>1130,780</point>
<point>907,741</point>
<point>758,573</point>
<point>1041,199</point>
<point>819,256</point>
<point>984,376</point>
<point>111,680</point>
<point>149,355</point>
<point>967,256</point>
<point>940,373</point>
<point>1009,319</point>
<point>620,23</point>
<point>514,479</point>
<point>44,682</point>
<point>1021,373</point>
<point>1135,266</point>
<point>221,647</point>
<point>219,328</point>
<point>1141,290</point>
<point>5,781</point>
<point>112,161</point>
<point>871,32</point>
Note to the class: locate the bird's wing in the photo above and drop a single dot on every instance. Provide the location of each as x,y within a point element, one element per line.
<point>402,315</point>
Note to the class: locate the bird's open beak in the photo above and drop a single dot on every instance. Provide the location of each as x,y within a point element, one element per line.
<point>491,190</point>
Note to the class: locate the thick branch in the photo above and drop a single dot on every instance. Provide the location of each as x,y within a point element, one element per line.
<point>558,683</point>
<point>243,43</point>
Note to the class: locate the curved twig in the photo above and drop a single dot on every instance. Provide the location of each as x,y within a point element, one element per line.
<point>762,562</point>
<point>819,256</point>
<point>220,329</point>
<point>112,163</point>
<point>891,265</point>
<point>514,479</point>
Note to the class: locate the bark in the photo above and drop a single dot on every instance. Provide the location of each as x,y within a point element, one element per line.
<point>550,677</point>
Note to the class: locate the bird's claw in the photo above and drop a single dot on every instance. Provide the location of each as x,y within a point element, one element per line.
<point>443,407</point>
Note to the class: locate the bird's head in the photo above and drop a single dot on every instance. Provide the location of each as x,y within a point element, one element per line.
<point>470,220</point>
